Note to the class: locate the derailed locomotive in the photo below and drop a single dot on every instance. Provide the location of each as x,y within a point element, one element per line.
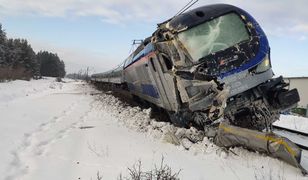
<point>205,66</point>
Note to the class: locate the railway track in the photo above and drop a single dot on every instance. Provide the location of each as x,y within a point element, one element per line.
<point>291,130</point>
<point>299,138</point>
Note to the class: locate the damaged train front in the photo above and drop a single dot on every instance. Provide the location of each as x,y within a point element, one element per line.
<point>222,69</point>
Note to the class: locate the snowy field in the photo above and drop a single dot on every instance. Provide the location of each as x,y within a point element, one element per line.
<point>65,131</point>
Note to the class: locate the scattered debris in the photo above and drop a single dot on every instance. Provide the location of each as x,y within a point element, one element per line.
<point>86,127</point>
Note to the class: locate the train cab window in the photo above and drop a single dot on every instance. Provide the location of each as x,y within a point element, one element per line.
<point>152,63</point>
<point>167,62</point>
<point>215,35</point>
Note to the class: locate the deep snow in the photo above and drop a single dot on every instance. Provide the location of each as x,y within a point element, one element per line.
<point>64,131</point>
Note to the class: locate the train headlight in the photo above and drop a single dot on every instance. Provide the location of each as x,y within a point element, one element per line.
<point>264,65</point>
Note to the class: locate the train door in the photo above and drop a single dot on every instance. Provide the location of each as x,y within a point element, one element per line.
<point>162,74</point>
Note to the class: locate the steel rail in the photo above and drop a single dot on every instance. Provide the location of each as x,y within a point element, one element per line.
<point>293,132</point>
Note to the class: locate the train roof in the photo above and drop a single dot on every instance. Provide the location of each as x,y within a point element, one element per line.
<point>199,15</point>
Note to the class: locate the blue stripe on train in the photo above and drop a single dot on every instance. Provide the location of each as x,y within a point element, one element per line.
<point>147,50</point>
<point>150,90</point>
<point>147,89</point>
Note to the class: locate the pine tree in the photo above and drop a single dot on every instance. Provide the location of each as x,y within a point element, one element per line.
<point>2,46</point>
<point>19,61</point>
<point>51,65</point>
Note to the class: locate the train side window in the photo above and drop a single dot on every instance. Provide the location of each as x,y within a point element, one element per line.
<point>151,60</point>
<point>167,62</point>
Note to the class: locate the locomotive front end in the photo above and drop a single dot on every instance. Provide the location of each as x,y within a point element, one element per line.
<point>210,68</point>
<point>221,60</point>
<point>224,79</point>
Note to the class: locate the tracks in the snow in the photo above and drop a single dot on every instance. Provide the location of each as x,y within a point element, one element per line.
<point>36,143</point>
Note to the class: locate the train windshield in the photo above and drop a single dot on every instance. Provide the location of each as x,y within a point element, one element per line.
<point>213,36</point>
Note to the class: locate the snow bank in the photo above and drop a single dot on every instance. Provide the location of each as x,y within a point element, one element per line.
<point>139,120</point>
<point>18,89</point>
<point>239,160</point>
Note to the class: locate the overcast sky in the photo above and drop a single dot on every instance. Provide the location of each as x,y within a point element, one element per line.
<point>99,33</point>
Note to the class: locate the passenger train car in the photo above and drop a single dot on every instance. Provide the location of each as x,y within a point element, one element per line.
<point>207,63</point>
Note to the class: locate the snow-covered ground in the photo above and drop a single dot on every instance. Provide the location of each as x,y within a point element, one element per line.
<point>65,131</point>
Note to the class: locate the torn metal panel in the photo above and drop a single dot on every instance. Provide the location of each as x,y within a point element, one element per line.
<point>174,52</point>
<point>203,96</point>
<point>195,90</point>
<point>269,143</point>
<point>219,105</point>
<point>244,81</point>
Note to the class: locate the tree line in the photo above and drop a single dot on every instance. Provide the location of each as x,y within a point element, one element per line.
<point>19,61</point>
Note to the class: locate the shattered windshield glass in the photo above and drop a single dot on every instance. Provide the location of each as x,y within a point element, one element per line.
<point>215,35</point>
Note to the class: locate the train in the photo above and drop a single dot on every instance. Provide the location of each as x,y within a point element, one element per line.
<point>205,64</point>
<point>210,68</point>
